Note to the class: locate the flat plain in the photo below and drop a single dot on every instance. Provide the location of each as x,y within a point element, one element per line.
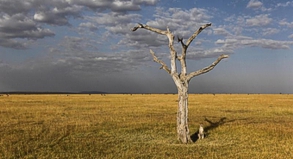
<point>144,126</point>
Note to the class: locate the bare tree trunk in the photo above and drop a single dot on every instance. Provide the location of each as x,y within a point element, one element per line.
<point>182,116</point>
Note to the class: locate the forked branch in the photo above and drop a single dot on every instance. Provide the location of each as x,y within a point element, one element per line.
<point>181,41</point>
<point>196,33</point>
<point>164,66</point>
<point>206,69</point>
<point>173,52</point>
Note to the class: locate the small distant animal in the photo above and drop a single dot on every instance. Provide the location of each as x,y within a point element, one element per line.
<point>201,132</point>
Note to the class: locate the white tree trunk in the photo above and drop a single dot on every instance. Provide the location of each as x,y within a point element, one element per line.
<point>182,116</point>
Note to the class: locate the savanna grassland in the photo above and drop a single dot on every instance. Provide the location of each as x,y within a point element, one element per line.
<point>144,126</point>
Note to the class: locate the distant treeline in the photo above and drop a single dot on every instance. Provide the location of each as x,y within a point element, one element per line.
<point>98,92</point>
<point>24,92</point>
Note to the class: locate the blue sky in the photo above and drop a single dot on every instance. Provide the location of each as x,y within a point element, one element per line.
<point>88,45</point>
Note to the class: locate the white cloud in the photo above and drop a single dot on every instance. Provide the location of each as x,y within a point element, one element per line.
<point>113,5</point>
<point>89,25</point>
<point>254,4</point>
<point>221,31</point>
<point>257,5</point>
<point>270,31</point>
<point>288,3</point>
<point>268,43</point>
<point>39,17</point>
<point>283,22</point>
<point>57,16</point>
<point>259,20</point>
<point>113,19</point>
<point>121,6</point>
<point>181,22</point>
<point>238,42</point>
<point>146,2</point>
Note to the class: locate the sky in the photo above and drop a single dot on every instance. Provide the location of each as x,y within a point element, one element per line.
<point>88,45</point>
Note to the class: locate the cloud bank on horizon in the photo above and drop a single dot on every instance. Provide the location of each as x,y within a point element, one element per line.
<point>77,45</point>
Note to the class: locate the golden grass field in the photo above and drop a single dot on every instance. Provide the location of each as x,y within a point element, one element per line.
<point>144,126</point>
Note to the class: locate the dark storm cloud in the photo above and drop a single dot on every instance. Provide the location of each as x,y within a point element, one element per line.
<point>9,43</point>
<point>12,7</point>
<point>19,26</point>
<point>24,19</point>
<point>57,16</point>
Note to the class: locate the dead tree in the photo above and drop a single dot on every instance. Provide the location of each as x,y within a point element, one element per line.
<point>181,79</point>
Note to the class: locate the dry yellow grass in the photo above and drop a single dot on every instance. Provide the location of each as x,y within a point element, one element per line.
<point>144,126</point>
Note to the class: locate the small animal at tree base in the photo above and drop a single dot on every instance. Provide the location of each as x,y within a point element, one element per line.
<point>201,132</point>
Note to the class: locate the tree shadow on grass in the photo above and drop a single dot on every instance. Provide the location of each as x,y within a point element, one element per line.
<point>213,125</point>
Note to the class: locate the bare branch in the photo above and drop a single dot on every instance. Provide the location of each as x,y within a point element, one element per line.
<point>164,66</point>
<point>196,33</point>
<point>181,41</point>
<point>138,26</point>
<point>182,58</point>
<point>172,49</point>
<point>206,69</point>
<point>149,28</point>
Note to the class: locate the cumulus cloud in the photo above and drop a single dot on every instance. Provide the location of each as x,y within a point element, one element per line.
<point>92,27</point>
<point>259,20</point>
<point>174,18</point>
<point>113,19</point>
<point>113,5</point>
<point>181,22</point>
<point>120,24</point>
<point>233,34</point>
<point>257,5</point>
<point>270,31</point>
<point>249,31</point>
<point>57,16</point>
<point>221,31</point>
<point>9,43</point>
<point>235,42</point>
<point>11,7</point>
<point>25,19</point>
<point>288,3</point>
<point>120,6</point>
<point>254,4</point>
<point>284,22</point>
<point>20,26</point>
